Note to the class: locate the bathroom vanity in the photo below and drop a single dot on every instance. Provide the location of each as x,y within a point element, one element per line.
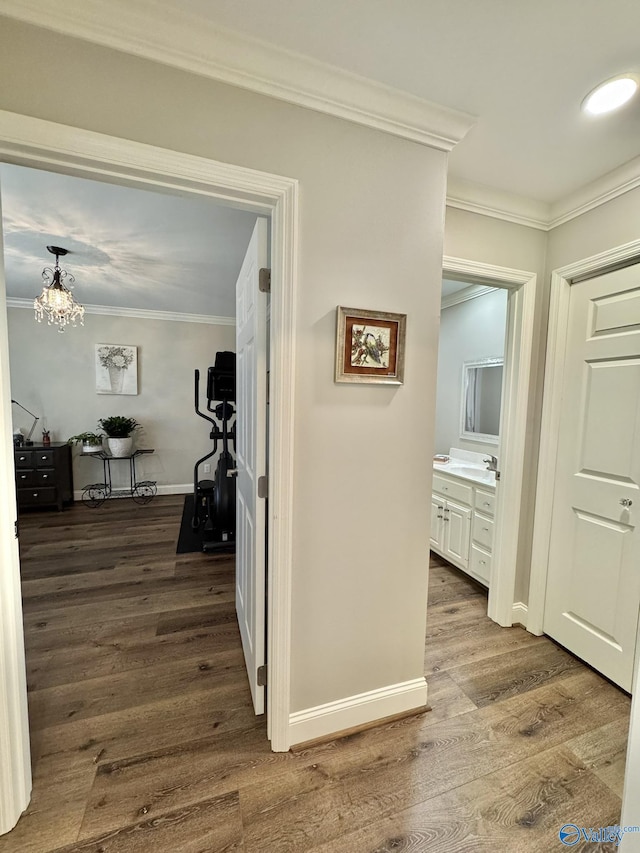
<point>463,512</point>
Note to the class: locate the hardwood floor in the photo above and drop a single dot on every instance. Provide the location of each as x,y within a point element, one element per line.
<point>144,738</point>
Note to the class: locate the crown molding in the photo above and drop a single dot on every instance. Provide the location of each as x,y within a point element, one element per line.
<point>192,44</point>
<point>137,313</point>
<point>465,295</point>
<point>612,185</point>
<point>487,201</point>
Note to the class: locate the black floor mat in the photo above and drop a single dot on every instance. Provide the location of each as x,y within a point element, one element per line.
<point>190,540</point>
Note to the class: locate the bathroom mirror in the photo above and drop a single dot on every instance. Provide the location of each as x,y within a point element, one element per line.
<point>481,398</point>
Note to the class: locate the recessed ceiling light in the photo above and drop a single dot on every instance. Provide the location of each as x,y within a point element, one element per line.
<point>611,94</point>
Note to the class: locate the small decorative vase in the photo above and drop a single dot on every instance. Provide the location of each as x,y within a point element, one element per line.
<point>120,446</point>
<point>116,378</point>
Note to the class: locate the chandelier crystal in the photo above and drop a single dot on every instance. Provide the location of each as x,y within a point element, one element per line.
<point>56,301</point>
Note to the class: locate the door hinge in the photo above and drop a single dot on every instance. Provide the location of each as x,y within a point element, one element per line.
<point>264,280</point>
<point>263,487</point>
<point>15,527</point>
<point>262,675</point>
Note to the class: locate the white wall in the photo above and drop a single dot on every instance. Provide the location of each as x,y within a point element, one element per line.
<point>469,331</point>
<point>371,230</point>
<point>53,376</point>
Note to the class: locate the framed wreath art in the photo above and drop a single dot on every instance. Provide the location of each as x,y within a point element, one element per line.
<point>370,346</point>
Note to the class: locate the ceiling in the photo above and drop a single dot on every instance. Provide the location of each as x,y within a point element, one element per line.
<point>522,68</point>
<point>129,248</point>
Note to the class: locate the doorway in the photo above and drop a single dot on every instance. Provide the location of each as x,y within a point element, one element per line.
<point>521,285</point>
<point>32,142</point>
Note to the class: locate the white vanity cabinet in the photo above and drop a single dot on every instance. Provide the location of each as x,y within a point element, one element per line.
<point>462,514</point>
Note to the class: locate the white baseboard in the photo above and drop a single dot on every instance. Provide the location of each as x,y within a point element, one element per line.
<point>175,489</point>
<point>324,720</point>
<point>520,613</point>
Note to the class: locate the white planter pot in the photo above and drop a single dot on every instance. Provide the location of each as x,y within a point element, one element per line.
<point>91,448</point>
<point>120,446</point>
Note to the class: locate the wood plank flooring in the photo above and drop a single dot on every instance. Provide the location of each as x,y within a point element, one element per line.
<point>144,738</point>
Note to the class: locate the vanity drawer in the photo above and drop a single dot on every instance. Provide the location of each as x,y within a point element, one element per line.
<point>485,502</point>
<point>452,489</point>
<point>480,564</point>
<point>482,531</point>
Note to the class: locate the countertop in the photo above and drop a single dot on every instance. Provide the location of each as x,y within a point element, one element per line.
<point>466,471</point>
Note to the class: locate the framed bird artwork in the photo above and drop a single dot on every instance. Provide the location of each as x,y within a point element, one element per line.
<point>370,346</point>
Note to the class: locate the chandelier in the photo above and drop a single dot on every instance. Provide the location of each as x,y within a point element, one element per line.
<point>56,301</point>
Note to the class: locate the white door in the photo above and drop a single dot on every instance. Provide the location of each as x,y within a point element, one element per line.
<point>15,765</point>
<point>437,521</point>
<point>251,457</point>
<point>593,585</point>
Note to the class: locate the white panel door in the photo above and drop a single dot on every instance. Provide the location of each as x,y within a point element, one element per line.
<point>457,533</point>
<point>437,521</point>
<point>251,456</point>
<point>593,585</point>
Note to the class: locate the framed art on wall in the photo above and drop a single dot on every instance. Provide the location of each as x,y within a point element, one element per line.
<point>116,369</point>
<point>370,346</point>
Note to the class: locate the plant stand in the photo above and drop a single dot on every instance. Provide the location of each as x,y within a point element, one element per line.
<point>141,491</point>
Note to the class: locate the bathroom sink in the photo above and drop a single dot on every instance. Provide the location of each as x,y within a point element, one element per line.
<point>473,472</point>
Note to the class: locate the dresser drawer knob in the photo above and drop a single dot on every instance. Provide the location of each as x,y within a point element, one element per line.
<point>23,476</point>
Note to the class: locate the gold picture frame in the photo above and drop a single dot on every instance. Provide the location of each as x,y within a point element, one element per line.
<point>370,346</point>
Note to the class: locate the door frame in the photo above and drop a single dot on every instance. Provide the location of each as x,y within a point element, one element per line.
<point>41,144</point>
<point>561,283</point>
<point>522,287</point>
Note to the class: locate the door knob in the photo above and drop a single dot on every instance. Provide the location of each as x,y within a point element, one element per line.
<point>626,502</point>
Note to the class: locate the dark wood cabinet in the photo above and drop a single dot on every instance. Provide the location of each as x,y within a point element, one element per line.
<point>44,476</point>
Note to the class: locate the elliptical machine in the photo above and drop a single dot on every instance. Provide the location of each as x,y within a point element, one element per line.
<point>214,501</point>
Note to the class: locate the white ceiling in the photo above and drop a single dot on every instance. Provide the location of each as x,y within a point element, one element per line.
<point>129,248</point>
<point>521,67</point>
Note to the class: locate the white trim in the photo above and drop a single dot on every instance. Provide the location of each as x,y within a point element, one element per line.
<point>15,765</point>
<point>194,44</point>
<point>513,423</point>
<point>471,292</point>
<point>520,613</point>
<point>28,141</point>
<point>631,792</point>
<point>358,710</point>
<point>612,185</point>
<point>489,201</point>
<point>136,313</point>
<point>551,406</point>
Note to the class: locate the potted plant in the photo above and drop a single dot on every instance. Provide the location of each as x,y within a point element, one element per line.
<point>91,441</point>
<point>119,431</point>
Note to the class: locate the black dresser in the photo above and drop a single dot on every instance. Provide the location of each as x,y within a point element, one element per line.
<point>44,476</point>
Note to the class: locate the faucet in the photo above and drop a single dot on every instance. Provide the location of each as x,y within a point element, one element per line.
<point>493,463</point>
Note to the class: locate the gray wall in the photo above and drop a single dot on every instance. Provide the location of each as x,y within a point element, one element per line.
<point>371,230</point>
<point>468,331</point>
<point>53,375</point>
